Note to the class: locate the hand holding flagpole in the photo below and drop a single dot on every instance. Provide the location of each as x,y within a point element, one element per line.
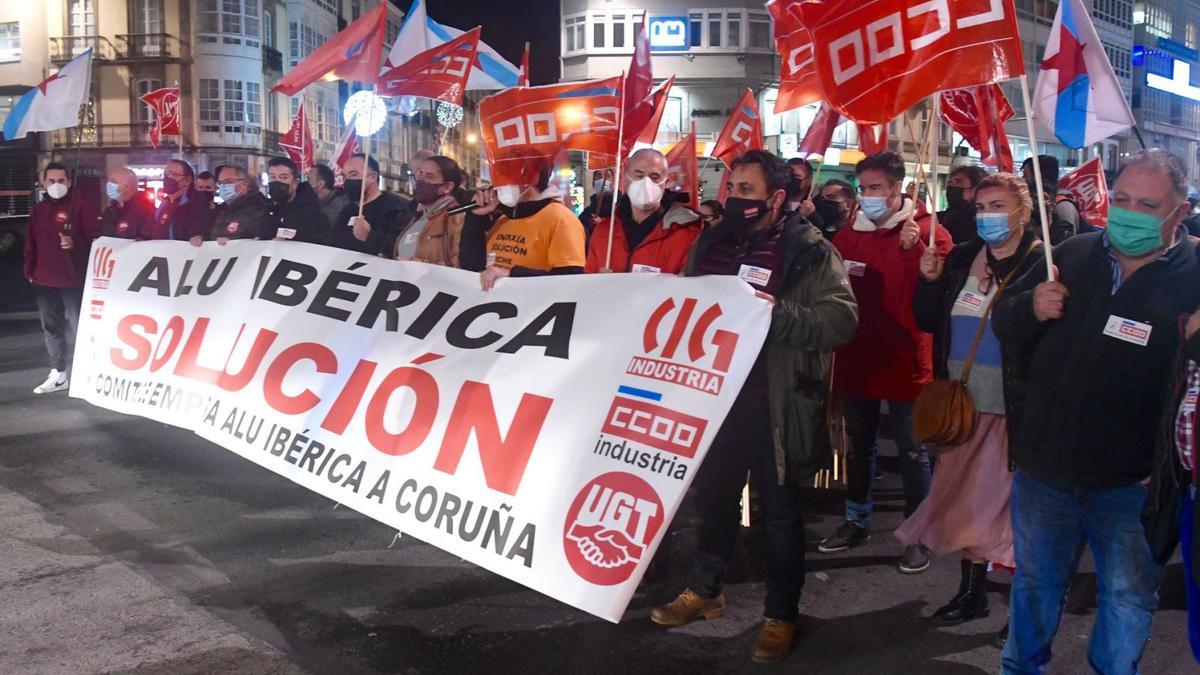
<point>1039,198</point>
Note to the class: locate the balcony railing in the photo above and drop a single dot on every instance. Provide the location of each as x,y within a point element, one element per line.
<point>152,46</point>
<point>272,60</point>
<point>134,135</point>
<point>63,49</point>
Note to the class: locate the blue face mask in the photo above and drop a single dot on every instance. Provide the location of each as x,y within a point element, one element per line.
<point>992,228</point>
<point>111,190</point>
<point>875,207</point>
<point>227,192</point>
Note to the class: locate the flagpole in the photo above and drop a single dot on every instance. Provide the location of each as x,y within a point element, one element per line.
<point>1039,198</point>
<point>934,154</point>
<point>612,215</point>
<point>812,183</point>
<point>362,195</point>
<point>179,116</point>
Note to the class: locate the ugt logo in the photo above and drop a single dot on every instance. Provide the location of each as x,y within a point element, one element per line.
<point>610,524</point>
<point>102,267</point>
<point>667,368</point>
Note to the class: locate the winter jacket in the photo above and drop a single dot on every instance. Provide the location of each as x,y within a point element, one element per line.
<point>243,218</point>
<point>387,214</point>
<point>814,314</point>
<point>332,205</point>
<point>439,237</point>
<point>190,217</point>
<point>298,219</point>
<point>934,300</point>
<point>665,248</point>
<point>131,220</point>
<point>46,263</point>
<point>890,356</point>
<point>1093,403</point>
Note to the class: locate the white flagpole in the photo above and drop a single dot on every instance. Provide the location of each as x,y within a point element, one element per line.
<point>934,153</point>
<point>179,115</point>
<point>1039,198</point>
<point>612,216</point>
<point>362,195</point>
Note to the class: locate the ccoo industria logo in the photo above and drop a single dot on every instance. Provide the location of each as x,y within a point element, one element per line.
<point>102,267</point>
<point>678,351</point>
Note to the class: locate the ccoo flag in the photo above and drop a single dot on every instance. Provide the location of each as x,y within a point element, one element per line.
<point>53,104</point>
<point>742,132</point>
<point>1078,97</point>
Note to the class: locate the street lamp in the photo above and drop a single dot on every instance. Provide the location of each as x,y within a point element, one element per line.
<point>471,138</point>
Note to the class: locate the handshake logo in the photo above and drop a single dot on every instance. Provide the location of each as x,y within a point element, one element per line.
<point>609,527</point>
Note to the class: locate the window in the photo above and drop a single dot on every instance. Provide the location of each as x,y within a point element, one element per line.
<point>1116,12</point>
<point>147,16</point>
<point>1189,35</point>
<point>209,95</point>
<point>618,31</point>
<point>1156,20</point>
<point>269,28</point>
<point>598,32</point>
<point>695,24</point>
<point>760,30</point>
<point>231,20</point>
<point>83,17</point>
<point>142,87</point>
<point>714,29</point>
<point>574,37</point>
<point>735,31</point>
<point>235,109</point>
<point>254,103</point>
<point>302,40</point>
<point>1119,58</point>
<point>10,41</point>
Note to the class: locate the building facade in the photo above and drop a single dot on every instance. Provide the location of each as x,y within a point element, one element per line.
<point>225,55</point>
<point>1166,76</point>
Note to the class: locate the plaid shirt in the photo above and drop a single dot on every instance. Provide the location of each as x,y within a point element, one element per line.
<point>1185,419</point>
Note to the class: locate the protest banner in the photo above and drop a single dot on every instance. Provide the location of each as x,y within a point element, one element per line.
<point>538,430</point>
<point>1089,189</point>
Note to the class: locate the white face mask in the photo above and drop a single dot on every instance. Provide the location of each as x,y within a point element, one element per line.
<point>508,195</point>
<point>645,194</point>
<point>57,190</point>
<point>599,186</point>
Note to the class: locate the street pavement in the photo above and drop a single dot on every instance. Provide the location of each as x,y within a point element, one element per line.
<point>130,546</point>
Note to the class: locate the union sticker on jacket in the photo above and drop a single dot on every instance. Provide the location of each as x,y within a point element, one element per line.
<point>970,300</point>
<point>855,268</point>
<point>758,276</point>
<point>1128,330</point>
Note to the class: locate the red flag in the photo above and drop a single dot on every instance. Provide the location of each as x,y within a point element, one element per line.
<point>597,161</point>
<point>819,136</point>
<point>742,132</point>
<point>877,59</point>
<point>639,79</point>
<point>525,127</point>
<point>978,114</point>
<point>298,142</point>
<point>523,77</point>
<point>642,125</point>
<point>872,138</point>
<point>798,83</point>
<point>347,145</point>
<point>355,53</point>
<point>1086,184</point>
<point>723,190</point>
<point>440,73</point>
<point>165,103</point>
<point>683,170</point>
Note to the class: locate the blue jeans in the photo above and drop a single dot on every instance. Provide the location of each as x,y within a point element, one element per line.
<point>862,426</point>
<point>1051,525</point>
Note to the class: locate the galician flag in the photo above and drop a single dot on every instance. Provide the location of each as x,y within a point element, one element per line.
<point>419,33</point>
<point>53,104</point>
<point>1078,98</point>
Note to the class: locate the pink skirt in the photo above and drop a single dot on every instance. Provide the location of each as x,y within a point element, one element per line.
<point>967,506</point>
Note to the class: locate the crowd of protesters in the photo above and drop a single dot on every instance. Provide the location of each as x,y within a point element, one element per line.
<point>1084,381</point>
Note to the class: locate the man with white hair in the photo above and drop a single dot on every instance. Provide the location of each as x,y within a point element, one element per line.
<point>129,214</point>
<point>653,231</point>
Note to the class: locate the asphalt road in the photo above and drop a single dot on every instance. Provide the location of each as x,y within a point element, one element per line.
<point>129,546</point>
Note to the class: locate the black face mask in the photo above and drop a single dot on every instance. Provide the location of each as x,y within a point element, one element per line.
<point>170,185</point>
<point>955,197</point>
<point>830,212</point>
<point>742,214</point>
<point>352,189</point>
<point>278,191</point>
<point>205,196</point>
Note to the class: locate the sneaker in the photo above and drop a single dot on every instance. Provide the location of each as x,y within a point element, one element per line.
<point>687,607</point>
<point>915,559</point>
<point>848,535</point>
<point>56,381</point>
<point>774,641</point>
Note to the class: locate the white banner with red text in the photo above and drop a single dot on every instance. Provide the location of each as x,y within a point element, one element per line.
<point>546,430</point>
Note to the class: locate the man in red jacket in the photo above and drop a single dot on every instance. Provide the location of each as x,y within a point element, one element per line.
<point>655,232</point>
<point>61,229</point>
<point>890,358</point>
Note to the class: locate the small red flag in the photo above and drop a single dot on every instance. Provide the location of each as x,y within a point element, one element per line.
<point>683,170</point>
<point>298,142</point>
<point>640,78</point>
<point>523,76</point>
<point>165,103</point>
<point>1087,185</point>
<point>819,136</point>
<point>978,114</point>
<point>440,73</point>
<point>355,53</point>
<point>346,146</point>
<point>872,138</point>
<point>742,132</point>
<point>877,59</point>
<point>642,124</point>
<point>798,82</point>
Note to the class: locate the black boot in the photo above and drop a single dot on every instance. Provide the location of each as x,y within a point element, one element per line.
<point>955,603</point>
<point>972,603</point>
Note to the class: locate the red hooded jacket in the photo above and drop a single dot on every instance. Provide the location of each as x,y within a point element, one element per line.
<point>664,250</point>
<point>889,356</point>
<point>46,263</point>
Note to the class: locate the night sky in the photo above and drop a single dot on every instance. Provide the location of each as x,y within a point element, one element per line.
<point>507,24</point>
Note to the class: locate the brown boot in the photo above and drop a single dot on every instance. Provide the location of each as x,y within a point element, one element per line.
<point>689,606</point>
<point>774,642</point>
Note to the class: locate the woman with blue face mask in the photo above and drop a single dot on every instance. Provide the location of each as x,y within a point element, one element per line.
<point>967,510</point>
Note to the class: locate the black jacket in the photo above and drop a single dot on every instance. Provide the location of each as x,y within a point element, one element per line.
<point>300,219</point>
<point>1093,403</point>
<point>960,223</point>
<point>242,218</point>
<point>134,220</point>
<point>388,216</point>
<point>934,300</point>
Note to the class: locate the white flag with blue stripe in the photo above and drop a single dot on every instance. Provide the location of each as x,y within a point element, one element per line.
<point>53,104</point>
<point>491,70</point>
